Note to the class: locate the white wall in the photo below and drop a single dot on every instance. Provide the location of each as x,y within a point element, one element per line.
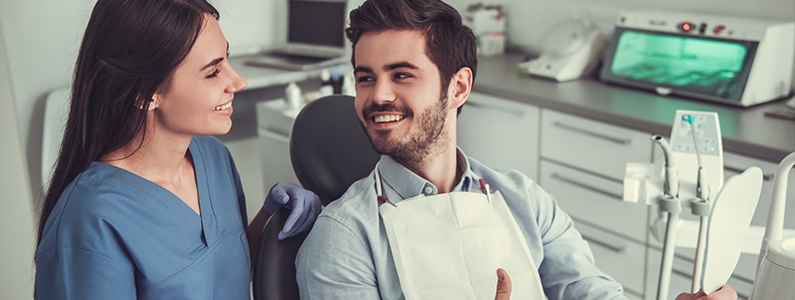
<point>17,216</point>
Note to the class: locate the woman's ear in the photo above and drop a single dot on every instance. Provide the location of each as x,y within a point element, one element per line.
<point>459,88</point>
<point>153,102</point>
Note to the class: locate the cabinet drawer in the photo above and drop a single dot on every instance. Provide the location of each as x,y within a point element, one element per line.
<point>500,133</point>
<point>620,258</point>
<point>594,200</point>
<point>590,145</point>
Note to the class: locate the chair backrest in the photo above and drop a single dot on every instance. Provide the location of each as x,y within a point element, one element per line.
<point>329,151</point>
<point>328,147</point>
<point>274,267</point>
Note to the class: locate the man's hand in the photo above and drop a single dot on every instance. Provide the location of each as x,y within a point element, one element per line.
<point>725,292</point>
<point>504,285</point>
<point>304,204</point>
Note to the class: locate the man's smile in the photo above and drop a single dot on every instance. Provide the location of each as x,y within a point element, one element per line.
<point>388,118</point>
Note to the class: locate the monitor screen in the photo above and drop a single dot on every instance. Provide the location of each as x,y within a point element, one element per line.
<point>317,22</point>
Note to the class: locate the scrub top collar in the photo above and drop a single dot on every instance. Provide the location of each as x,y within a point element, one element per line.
<point>406,184</point>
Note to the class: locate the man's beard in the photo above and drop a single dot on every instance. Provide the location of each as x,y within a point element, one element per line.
<point>416,145</point>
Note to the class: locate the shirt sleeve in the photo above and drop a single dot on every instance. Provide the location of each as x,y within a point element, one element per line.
<point>335,264</point>
<point>65,273</point>
<point>567,270</point>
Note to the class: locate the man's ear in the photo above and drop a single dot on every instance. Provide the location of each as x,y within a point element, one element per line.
<point>459,88</point>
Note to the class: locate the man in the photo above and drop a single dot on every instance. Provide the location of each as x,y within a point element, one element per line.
<point>414,64</point>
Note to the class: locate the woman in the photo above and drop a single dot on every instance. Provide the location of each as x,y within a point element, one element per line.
<point>143,204</point>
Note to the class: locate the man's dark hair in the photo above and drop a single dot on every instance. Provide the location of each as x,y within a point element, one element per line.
<point>449,44</point>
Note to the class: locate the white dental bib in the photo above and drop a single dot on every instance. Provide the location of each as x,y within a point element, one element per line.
<point>449,246</point>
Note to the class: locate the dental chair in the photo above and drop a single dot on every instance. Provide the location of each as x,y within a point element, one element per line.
<point>329,151</point>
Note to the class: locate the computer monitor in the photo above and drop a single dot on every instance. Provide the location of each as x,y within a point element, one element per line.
<point>316,27</point>
<point>317,22</point>
<point>315,37</point>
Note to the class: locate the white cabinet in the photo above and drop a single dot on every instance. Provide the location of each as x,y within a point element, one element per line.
<point>275,122</point>
<point>591,146</point>
<point>582,166</point>
<point>618,257</point>
<point>500,133</point>
<point>595,200</point>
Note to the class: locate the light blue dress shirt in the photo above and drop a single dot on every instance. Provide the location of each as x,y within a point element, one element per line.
<point>347,254</point>
<point>115,235</point>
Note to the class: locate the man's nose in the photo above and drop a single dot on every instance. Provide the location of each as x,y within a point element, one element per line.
<point>383,92</point>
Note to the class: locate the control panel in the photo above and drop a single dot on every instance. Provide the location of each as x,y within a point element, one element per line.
<point>685,150</point>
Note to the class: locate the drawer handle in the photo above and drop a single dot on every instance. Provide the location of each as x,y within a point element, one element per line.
<point>593,133</point>
<point>587,187</point>
<point>765,177</point>
<point>689,277</point>
<point>276,134</point>
<point>500,110</point>
<point>614,248</point>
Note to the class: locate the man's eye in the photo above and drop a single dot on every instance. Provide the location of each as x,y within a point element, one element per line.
<point>364,79</point>
<point>402,76</point>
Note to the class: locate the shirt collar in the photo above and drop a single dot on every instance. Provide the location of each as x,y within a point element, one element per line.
<point>407,184</point>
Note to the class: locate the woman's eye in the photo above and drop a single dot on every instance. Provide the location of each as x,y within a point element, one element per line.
<point>215,73</point>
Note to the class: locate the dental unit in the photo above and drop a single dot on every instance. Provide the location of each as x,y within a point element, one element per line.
<point>723,216</point>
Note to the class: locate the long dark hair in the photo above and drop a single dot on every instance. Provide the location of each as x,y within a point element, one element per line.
<point>130,51</point>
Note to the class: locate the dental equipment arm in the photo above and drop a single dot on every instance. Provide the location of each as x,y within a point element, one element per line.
<point>775,221</point>
<point>702,188</point>
<point>671,184</point>
<point>700,207</point>
<point>670,205</point>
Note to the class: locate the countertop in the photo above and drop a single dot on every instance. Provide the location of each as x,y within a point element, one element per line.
<point>745,131</point>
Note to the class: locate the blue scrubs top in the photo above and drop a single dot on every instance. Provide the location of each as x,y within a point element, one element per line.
<point>115,235</point>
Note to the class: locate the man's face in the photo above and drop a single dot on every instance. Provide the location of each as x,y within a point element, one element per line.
<point>398,95</point>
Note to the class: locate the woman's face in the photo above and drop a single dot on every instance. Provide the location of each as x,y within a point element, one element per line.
<point>202,88</point>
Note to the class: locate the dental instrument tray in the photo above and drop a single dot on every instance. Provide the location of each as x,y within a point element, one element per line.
<point>736,61</point>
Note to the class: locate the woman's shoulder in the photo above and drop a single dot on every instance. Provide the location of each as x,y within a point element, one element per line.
<point>100,199</point>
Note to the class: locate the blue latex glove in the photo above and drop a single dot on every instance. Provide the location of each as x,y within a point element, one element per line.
<point>305,206</point>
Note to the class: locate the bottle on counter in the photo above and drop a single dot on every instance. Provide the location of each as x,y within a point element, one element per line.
<point>326,86</point>
<point>294,97</point>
